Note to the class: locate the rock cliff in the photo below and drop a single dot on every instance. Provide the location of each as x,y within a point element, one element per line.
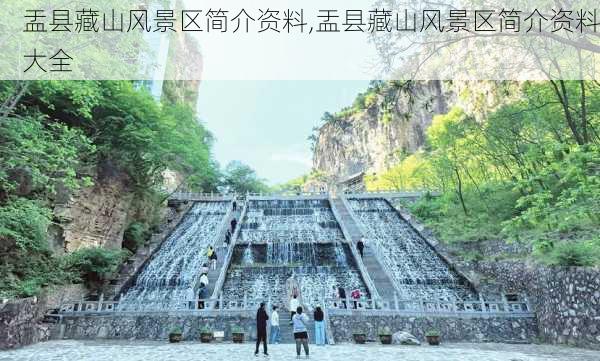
<point>371,141</point>
<point>95,217</point>
<point>363,142</point>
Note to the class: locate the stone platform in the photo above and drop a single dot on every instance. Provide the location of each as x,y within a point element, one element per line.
<point>194,351</point>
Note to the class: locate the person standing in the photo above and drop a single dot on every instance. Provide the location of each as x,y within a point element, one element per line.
<point>212,257</point>
<point>234,205</point>
<point>335,296</point>
<point>261,329</point>
<point>202,290</point>
<point>294,304</point>
<point>275,336</point>
<point>342,296</point>
<point>319,317</point>
<point>355,297</point>
<point>361,246</point>
<point>300,332</point>
<point>233,224</point>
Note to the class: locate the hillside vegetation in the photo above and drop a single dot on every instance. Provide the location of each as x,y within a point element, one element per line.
<point>57,137</point>
<point>527,171</point>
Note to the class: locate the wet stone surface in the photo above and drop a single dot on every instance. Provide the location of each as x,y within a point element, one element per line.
<point>281,238</point>
<point>188,351</point>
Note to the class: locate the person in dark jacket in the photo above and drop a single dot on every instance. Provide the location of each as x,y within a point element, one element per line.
<point>361,246</point>
<point>319,316</point>
<point>261,328</point>
<point>342,296</point>
<point>234,205</point>
<point>233,224</point>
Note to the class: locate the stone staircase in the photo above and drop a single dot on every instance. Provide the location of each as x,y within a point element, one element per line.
<point>351,226</point>
<point>382,282</point>
<point>213,274</point>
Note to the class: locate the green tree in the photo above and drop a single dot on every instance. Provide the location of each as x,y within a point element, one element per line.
<point>241,178</point>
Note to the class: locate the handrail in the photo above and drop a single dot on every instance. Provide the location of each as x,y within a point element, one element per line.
<point>258,196</point>
<point>226,196</point>
<point>224,226</point>
<point>361,267</point>
<point>219,236</point>
<point>227,259</point>
<point>399,194</point>
<point>500,308</point>
<point>201,196</point>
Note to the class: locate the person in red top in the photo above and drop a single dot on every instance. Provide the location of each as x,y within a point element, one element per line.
<point>355,294</point>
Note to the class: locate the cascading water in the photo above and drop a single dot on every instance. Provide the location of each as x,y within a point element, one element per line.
<point>415,267</point>
<point>279,238</point>
<point>248,258</point>
<point>167,282</point>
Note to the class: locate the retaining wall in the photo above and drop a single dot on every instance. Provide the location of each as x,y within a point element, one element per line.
<point>157,327</point>
<point>566,299</point>
<point>452,329</point>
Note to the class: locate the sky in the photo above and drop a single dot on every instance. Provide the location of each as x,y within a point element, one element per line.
<point>265,124</point>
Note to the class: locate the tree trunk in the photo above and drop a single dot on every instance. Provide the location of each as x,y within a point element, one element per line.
<point>460,192</point>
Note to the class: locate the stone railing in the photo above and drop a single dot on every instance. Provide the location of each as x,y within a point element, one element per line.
<point>219,236</point>
<point>224,226</point>
<point>361,267</point>
<point>392,194</point>
<point>190,196</point>
<point>474,308</point>
<point>229,255</point>
<point>297,196</point>
<point>333,306</point>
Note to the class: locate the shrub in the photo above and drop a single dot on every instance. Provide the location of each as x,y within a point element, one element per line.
<point>432,333</point>
<point>176,330</point>
<point>358,331</point>
<point>23,223</point>
<point>26,263</point>
<point>384,331</point>
<point>93,264</point>
<point>206,329</point>
<point>570,253</point>
<point>135,235</point>
<point>237,329</point>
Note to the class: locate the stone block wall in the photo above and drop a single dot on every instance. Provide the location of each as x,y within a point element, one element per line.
<point>566,299</point>
<point>21,320</point>
<point>151,326</point>
<point>452,329</point>
<point>20,323</point>
<point>157,327</point>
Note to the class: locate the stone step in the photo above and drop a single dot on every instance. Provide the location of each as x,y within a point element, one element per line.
<point>382,282</point>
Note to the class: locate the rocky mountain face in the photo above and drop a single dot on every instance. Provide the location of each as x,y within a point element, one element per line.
<point>363,142</point>
<point>367,141</point>
<point>94,217</point>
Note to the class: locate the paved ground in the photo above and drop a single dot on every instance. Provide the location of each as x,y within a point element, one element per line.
<point>191,351</point>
